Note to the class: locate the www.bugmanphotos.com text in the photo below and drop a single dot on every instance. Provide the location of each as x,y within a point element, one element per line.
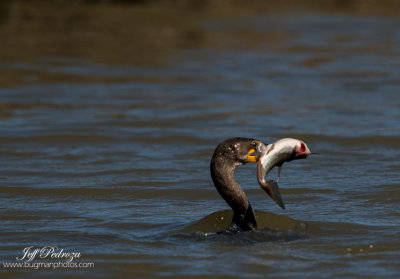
<point>52,265</point>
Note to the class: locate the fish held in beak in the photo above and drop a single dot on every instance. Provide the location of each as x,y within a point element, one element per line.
<point>276,154</point>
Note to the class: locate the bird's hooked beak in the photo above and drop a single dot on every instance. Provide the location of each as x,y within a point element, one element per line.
<point>253,155</point>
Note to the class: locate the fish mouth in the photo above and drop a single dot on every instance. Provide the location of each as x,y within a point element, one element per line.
<point>302,152</point>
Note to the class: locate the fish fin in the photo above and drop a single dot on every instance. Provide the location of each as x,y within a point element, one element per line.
<point>279,173</point>
<point>272,189</point>
<point>276,194</point>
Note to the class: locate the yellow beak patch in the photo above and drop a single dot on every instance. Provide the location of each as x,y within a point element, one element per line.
<point>252,158</point>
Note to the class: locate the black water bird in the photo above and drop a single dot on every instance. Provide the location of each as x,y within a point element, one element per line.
<point>228,155</point>
<point>234,152</point>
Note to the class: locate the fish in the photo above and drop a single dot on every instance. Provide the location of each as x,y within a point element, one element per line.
<point>275,154</point>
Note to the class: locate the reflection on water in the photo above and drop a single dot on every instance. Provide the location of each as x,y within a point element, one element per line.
<point>110,112</point>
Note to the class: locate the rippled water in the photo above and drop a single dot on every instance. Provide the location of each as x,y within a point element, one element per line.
<point>113,162</point>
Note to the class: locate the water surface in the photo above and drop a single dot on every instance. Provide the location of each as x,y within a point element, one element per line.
<point>111,159</point>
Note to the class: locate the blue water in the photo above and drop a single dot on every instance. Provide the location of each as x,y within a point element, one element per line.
<point>116,166</point>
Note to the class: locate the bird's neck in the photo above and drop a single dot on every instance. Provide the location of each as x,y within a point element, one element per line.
<point>233,194</point>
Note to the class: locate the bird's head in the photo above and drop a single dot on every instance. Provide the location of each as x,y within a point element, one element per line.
<point>239,150</point>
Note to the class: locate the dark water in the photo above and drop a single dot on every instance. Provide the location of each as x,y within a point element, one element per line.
<point>110,158</point>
